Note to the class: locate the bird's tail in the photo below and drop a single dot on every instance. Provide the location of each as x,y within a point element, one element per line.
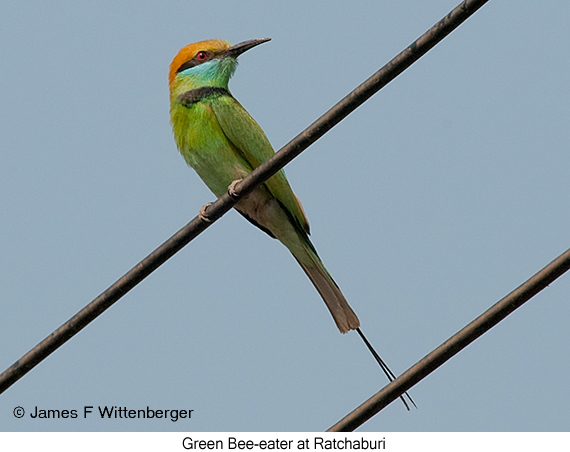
<point>342,313</point>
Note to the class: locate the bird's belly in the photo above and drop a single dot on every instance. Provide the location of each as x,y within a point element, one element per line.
<point>206,148</point>
<point>218,168</point>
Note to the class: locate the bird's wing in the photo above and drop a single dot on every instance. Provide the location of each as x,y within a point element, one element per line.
<point>248,137</point>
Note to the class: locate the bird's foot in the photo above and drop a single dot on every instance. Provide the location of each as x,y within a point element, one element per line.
<point>232,189</point>
<point>203,215</point>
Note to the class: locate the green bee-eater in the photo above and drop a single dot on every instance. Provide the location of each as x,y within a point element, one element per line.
<point>223,143</point>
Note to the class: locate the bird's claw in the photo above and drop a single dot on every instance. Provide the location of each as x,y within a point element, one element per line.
<point>203,215</point>
<point>232,189</point>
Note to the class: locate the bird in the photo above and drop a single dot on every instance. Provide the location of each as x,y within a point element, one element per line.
<point>223,143</point>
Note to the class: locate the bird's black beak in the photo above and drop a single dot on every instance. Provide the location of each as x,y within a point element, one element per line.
<point>238,49</point>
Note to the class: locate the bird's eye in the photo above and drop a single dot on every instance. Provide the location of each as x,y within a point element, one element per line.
<point>202,56</point>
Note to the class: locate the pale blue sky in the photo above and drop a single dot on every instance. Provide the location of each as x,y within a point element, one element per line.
<point>439,196</point>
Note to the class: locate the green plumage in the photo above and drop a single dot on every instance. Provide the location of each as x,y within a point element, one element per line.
<point>223,143</point>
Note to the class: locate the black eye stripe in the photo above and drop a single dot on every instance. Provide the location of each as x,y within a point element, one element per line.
<point>188,65</point>
<point>194,61</point>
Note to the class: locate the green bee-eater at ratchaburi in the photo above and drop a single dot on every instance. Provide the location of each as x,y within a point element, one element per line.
<point>223,143</point>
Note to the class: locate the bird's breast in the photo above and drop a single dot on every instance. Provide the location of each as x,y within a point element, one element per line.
<point>205,147</point>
